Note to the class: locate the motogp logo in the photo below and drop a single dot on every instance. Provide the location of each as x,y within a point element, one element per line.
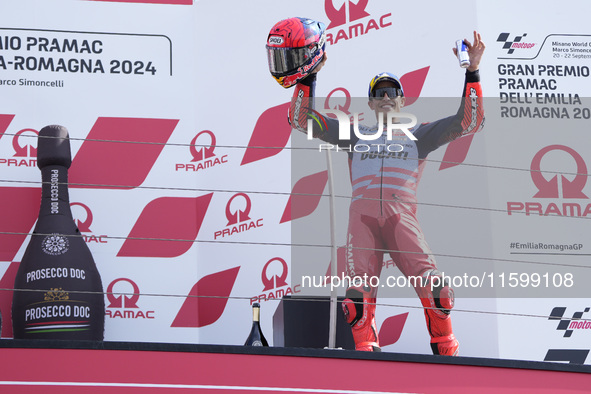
<point>569,325</point>
<point>516,43</point>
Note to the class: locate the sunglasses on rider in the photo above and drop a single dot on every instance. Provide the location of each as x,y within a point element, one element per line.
<point>381,92</point>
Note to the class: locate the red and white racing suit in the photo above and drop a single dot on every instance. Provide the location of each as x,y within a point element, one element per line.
<point>382,213</point>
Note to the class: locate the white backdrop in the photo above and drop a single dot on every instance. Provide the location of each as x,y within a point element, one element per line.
<point>176,76</point>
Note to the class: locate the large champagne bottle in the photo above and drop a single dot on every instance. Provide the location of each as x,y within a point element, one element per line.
<point>256,337</point>
<point>58,290</point>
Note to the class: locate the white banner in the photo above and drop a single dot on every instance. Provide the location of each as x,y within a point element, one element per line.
<point>188,212</point>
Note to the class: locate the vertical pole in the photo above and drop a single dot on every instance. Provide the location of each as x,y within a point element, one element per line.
<point>333,265</point>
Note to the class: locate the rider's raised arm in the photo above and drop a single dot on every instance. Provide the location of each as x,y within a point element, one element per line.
<point>302,109</point>
<point>468,120</point>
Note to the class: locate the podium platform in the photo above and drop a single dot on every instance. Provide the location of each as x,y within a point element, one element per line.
<point>115,367</point>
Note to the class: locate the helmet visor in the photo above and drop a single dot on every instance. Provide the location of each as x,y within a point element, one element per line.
<point>284,60</point>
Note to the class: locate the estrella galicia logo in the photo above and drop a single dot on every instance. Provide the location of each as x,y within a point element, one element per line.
<point>515,43</point>
<point>569,325</point>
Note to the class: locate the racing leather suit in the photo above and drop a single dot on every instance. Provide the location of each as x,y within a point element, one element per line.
<point>382,214</point>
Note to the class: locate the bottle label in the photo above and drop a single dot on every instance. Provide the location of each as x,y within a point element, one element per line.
<point>55,272</point>
<point>57,313</point>
<point>55,191</point>
<point>55,244</point>
<point>60,292</point>
<point>257,343</point>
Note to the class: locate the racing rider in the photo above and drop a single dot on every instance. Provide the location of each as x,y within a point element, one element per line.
<point>382,213</point>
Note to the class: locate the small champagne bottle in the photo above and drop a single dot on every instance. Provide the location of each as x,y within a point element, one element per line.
<point>256,337</point>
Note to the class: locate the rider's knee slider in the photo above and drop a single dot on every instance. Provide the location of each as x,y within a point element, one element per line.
<point>353,306</point>
<point>443,294</point>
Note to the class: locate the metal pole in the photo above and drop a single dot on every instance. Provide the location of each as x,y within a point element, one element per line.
<point>332,329</point>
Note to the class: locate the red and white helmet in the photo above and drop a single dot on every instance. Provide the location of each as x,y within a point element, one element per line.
<point>295,46</point>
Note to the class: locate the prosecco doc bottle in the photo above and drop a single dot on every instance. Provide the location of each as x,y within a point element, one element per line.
<point>58,290</point>
<point>256,337</point>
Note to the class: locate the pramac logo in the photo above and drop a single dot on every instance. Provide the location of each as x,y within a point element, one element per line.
<point>205,152</point>
<point>25,154</point>
<point>557,187</point>
<point>238,216</point>
<point>83,222</point>
<point>276,280</point>
<point>202,152</point>
<point>338,17</point>
<point>338,98</point>
<point>351,19</point>
<point>27,150</point>
<point>549,188</point>
<point>123,304</point>
<point>83,225</point>
<point>275,286</point>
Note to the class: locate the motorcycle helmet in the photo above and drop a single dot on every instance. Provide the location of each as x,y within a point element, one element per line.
<point>295,46</point>
<point>385,76</point>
